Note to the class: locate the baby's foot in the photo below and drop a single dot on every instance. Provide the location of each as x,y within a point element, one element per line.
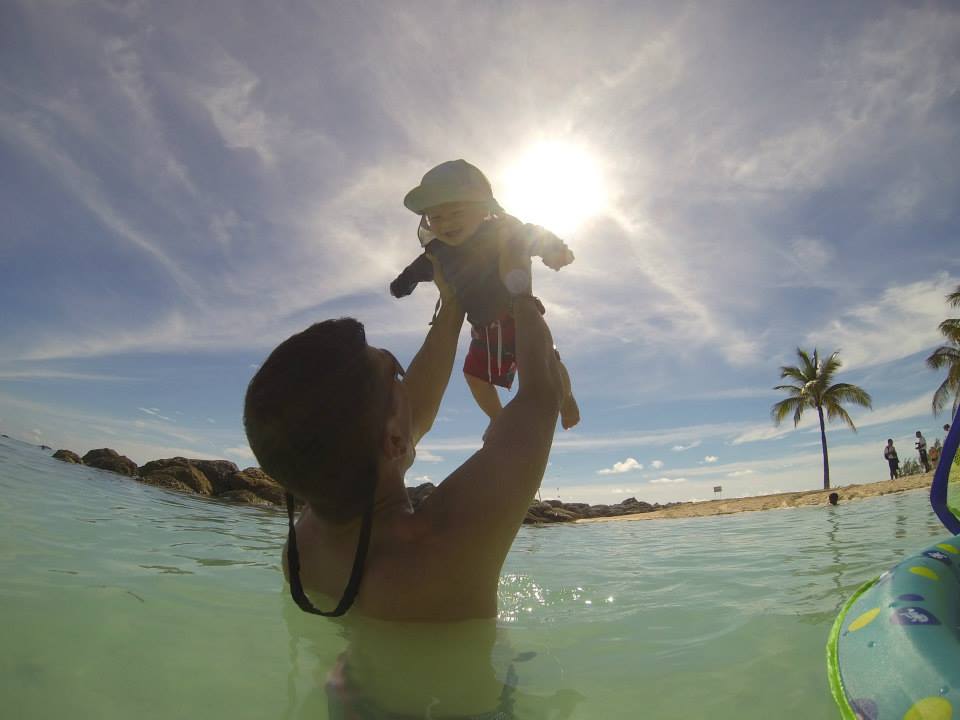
<point>569,412</point>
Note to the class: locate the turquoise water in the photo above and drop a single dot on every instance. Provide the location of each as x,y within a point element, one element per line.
<point>121,600</point>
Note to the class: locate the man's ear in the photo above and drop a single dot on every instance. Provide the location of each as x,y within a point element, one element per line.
<point>394,441</point>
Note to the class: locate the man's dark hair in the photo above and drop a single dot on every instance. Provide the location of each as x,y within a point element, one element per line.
<point>314,413</point>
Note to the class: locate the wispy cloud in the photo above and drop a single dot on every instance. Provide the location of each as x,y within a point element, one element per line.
<point>240,451</point>
<point>87,188</point>
<point>424,455</point>
<point>155,413</point>
<point>919,406</point>
<point>570,441</point>
<point>41,374</point>
<point>900,322</point>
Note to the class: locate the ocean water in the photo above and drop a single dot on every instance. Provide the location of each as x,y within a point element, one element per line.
<point>121,600</point>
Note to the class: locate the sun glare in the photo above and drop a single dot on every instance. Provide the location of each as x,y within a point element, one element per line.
<point>554,184</point>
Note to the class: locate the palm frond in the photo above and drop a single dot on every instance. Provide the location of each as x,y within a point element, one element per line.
<point>792,389</point>
<point>794,373</point>
<point>829,368</point>
<point>835,410</point>
<point>943,356</point>
<point>845,392</point>
<point>950,386</point>
<point>783,408</point>
<point>954,298</point>
<point>950,329</point>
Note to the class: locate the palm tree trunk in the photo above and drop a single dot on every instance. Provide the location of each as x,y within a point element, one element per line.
<point>823,443</point>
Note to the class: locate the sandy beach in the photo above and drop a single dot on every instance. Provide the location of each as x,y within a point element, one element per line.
<point>780,500</point>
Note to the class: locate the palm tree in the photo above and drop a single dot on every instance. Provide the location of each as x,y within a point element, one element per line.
<point>813,390</point>
<point>948,356</point>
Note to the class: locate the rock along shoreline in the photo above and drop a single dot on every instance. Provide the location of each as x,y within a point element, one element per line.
<point>224,480</point>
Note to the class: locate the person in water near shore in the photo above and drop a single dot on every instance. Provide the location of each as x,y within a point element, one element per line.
<point>890,455</point>
<point>460,222</point>
<point>336,422</point>
<point>833,498</point>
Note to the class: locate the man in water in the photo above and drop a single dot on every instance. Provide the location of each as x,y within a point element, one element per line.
<point>336,422</point>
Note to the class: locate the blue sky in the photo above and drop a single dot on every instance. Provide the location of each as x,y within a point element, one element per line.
<point>183,185</point>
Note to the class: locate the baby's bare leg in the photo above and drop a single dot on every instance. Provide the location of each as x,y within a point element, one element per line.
<point>569,410</point>
<point>486,396</point>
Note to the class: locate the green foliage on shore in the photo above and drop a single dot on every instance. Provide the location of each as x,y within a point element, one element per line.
<point>910,467</point>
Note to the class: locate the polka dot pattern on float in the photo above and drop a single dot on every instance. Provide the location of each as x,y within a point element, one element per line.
<point>930,708</point>
<point>925,572</point>
<point>904,667</point>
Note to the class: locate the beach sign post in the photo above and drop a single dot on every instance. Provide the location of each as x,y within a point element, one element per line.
<point>717,490</point>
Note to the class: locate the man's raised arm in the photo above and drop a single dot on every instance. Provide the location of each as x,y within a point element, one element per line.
<point>481,505</point>
<point>429,372</point>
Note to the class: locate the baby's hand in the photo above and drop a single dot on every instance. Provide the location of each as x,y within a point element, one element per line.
<point>551,249</point>
<point>559,257</point>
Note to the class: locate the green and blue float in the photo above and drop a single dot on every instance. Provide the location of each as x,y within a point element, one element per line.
<point>894,649</point>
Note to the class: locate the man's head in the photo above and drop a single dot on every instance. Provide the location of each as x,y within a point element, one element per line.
<point>889,441</point>
<point>946,428</point>
<point>454,198</point>
<point>833,498</point>
<point>316,414</point>
<point>918,433</point>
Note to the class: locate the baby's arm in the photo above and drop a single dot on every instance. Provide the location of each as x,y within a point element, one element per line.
<point>551,249</point>
<point>420,270</point>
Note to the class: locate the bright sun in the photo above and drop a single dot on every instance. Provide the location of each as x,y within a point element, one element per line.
<point>555,184</point>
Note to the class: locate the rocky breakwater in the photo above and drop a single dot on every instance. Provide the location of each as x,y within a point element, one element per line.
<point>555,511</point>
<point>223,480</point>
<point>219,479</point>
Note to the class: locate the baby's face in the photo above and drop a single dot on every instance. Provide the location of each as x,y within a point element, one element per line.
<point>456,222</point>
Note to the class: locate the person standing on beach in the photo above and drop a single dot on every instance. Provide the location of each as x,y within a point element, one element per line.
<point>890,453</point>
<point>921,446</point>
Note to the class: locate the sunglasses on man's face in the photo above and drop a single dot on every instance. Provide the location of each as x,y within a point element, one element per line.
<point>397,372</point>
